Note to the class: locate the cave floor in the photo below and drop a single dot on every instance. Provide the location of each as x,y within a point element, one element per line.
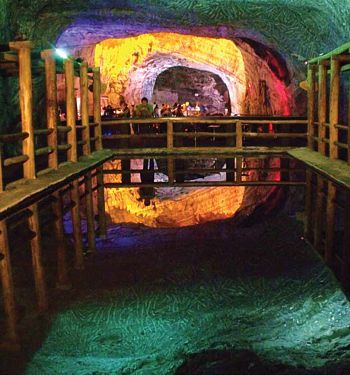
<point>199,300</point>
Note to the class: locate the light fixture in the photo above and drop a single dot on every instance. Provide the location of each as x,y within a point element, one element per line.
<point>61,53</point>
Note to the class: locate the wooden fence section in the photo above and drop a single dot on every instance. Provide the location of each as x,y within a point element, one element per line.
<point>82,198</point>
<point>327,223</point>
<point>329,104</point>
<point>188,134</point>
<point>173,171</point>
<point>44,149</point>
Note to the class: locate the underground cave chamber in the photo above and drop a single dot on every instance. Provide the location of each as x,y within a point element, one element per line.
<point>195,246</point>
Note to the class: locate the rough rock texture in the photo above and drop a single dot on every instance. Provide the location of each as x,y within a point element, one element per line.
<point>297,28</point>
<point>182,84</point>
<point>131,66</point>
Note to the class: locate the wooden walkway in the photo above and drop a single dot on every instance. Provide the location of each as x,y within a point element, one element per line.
<point>337,171</point>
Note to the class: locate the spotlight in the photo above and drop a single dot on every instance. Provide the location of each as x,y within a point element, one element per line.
<point>61,53</point>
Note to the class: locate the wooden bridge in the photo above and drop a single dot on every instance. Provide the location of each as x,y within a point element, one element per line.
<point>61,167</point>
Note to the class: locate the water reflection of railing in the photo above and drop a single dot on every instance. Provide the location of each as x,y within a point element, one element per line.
<point>186,133</point>
<point>327,222</point>
<point>220,171</point>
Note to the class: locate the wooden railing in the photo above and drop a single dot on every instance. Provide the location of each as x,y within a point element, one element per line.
<point>45,149</point>
<point>264,170</point>
<point>82,195</point>
<point>326,201</point>
<point>193,134</point>
<point>328,132</point>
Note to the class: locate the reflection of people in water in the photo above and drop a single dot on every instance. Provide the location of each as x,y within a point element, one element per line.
<point>147,176</point>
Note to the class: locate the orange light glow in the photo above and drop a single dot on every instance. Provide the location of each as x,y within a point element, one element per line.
<point>130,66</point>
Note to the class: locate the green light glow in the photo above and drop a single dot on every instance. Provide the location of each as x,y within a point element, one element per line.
<point>287,311</point>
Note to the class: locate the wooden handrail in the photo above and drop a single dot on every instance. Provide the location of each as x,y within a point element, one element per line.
<point>10,138</point>
<point>43,151</point>
<point>204,120</point>
<point>43,131</point>
<point>15,160</point>
<point>65,147</point>
<point>64,129</point>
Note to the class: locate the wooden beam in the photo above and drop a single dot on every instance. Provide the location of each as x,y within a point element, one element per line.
<point>63,282</point>
<point>26,103</point>
<point>239,134</point>
<point>90,213</point>
<point>339,50</point>
<point>7,287</point>
<point>348,125</point>
<point>170,135</point>
<point>308,224</point>
<point>238,174</point>
<point>101,203</point>
<point>318,238</point>
<point>334,108</point>
<point>345,267</point>
<point>38,269</point>
<point>2,182</point>
<point>77,235</point>
<point>71,110</point>
<point>51,105</point>
<point>171,172</point>
<point>330,219</point>
<point>97,108</point>
<point>322,107</point>
<point>311,89</point>
<point>84,106</point>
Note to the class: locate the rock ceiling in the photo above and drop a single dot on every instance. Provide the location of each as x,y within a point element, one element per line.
<point>300,27</point>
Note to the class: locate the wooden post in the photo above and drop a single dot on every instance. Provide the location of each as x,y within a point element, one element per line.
<point>311,78</point>
<point>26,103</point>
<point>319,215</point>
<point>90,213</point>
<point>330,215</point>
<point>51,105</point>
<point>7,286</point>
<point>84,106</point>
<point>239,135</point>
<point>170,135</point>
<point>63,282</point>
<point>171,166</point>
<point>38,270</point>
<point>308,209</point>
<point>78,241</point>
<point>239,161</point>
<point>348,139</point>
<point>101,203</point>
<point>71,110</point>
<point>322,107</point>
<point>334,108</point>
<point>2,183</point>
<point>97,108</point>
<point>345,268</point>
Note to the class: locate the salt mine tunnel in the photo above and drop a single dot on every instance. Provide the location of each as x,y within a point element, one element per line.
<point>174,187</point>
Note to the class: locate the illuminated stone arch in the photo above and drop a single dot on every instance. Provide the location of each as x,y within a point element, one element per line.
<point>142,80</point>
<point>130,66</point>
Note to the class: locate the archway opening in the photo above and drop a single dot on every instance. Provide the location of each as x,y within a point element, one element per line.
<point>181,84</point>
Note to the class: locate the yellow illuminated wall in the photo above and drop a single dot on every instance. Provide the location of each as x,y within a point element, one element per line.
<point>130,66</point>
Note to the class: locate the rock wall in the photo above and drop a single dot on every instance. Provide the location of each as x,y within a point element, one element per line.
<point>131,66</point>
<point>190,85</point>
